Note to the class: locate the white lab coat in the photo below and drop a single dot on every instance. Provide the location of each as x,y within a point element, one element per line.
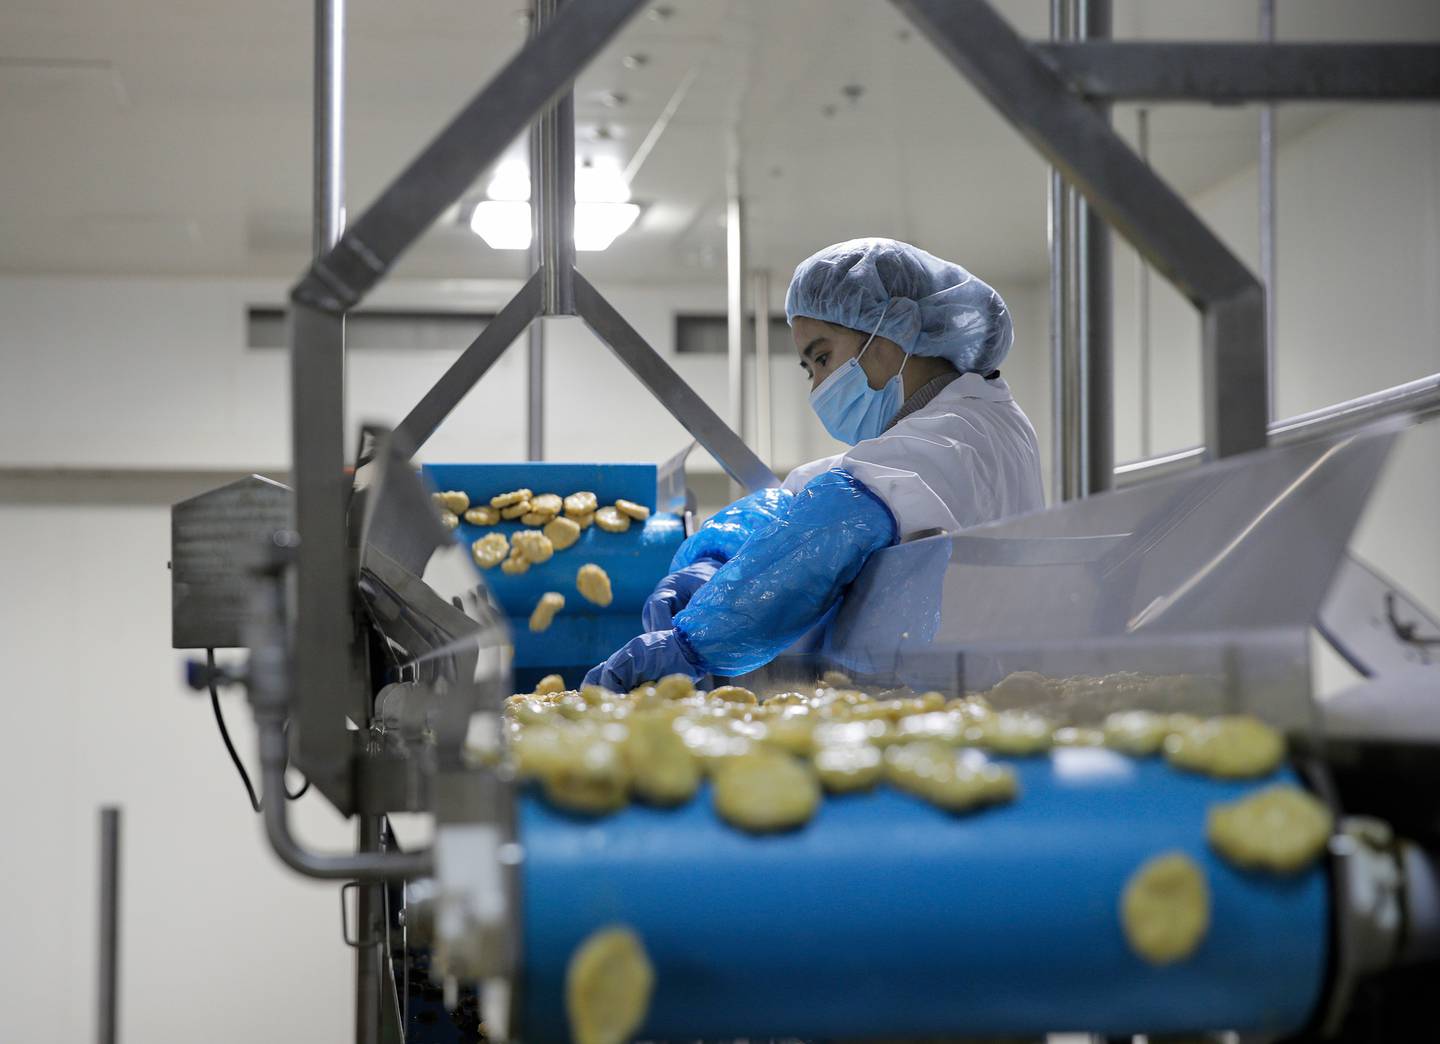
<point>967,457</point>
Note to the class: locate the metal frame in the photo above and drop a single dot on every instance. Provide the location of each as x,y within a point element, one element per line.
<point>1045,90</point>
<point>1031,93</point>
<point>566,38</point>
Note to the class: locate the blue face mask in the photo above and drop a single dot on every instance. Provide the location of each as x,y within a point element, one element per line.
<point>850,409</point>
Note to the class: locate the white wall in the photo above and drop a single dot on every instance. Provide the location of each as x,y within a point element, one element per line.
<point>1358,251</point>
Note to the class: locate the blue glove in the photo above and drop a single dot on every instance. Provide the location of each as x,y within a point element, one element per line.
<point>785,578</point>
<point>726,531</point>
<point>674,593</point>
<point>646,658</point>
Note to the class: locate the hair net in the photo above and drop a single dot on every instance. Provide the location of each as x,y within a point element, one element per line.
<point>934,307</point>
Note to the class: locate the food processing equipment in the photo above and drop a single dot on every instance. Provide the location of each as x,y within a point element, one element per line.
<point>379,657</point>
<point>885,916</point>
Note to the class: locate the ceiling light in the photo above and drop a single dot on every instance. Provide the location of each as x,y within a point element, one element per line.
<point>603,210</point>
<point>504,224</point>
<point>597,225</point>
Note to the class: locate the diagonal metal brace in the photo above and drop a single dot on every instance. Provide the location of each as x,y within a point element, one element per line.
<point>739,462</point>
<point>420,423</point>
<point>543,69</point>
<point>1039,102</point>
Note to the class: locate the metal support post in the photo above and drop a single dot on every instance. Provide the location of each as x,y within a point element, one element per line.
<point>735,288</point>
<point>552,185</point>
<point>761,304</point>
<point>1095,300</point>
<point>1267,221</point>
<point>1032,94</point>
<point>107,1021</point>
<point>369,939</point>
<point>317,382</point>
<point>1142,303</point>
<point>1063,437</point>
<point>328,162</point>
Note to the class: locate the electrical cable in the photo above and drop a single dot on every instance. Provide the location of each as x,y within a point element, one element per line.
<point>225,733</point>
<point>230,745</point>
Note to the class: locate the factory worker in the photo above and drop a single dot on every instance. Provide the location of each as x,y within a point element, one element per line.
<point>902,351</point>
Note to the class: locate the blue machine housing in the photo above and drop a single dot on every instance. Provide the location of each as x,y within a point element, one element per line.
<point>886,917</point>
<point>582,634</point>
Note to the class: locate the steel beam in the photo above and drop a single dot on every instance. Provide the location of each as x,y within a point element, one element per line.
<point>552,188</point>
<point>499,333</point>
<point>1232,73</point>
<point>107,1020</point>
<point>328,156</point>
<point>670,388</point>
<point>323,676</point>
<point>543,69</point>
<point>1032,95</point>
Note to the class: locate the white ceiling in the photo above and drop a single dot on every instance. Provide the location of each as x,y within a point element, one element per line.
<point>172,136</point>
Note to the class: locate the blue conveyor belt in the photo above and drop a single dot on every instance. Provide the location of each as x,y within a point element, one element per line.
<point>887,917</point>
<point>583,634</point>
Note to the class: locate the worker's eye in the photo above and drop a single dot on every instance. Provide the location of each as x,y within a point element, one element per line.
<point>822,359</point>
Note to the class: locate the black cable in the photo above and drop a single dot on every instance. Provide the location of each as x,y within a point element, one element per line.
<point>225,733</point>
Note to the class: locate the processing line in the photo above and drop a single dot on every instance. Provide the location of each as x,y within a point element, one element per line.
<point>883,915</point>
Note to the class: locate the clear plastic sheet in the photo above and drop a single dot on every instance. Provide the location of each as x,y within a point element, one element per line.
<point>787,577</point>
<point>673,594</point>
<point>724,533</point>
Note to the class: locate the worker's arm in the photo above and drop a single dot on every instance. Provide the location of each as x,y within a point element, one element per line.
<point>710,547</point>
<point>775,587</point>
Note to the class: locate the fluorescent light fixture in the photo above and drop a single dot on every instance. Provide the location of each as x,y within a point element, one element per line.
<point>597,225</point>
<point>603,211</point>
<point>504,224</point>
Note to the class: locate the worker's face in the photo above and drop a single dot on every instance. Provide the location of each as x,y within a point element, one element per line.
<point>825,347</point>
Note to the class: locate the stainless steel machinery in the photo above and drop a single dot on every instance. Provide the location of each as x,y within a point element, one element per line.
<point>378,659</point>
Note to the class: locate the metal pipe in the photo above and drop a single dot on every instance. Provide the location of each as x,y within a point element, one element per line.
<point>735,288</point>
<point>317,403</point>
<point>1419,398</point>
<point>761,306</point>
<point>1096,307</point>
<point>328,168</point>
<point>107,1024</point>
<point>552,187</point>
<point>357,866</point>
<point>1062,435</point>
<point>1142,300</point>
<point>1268,223</point>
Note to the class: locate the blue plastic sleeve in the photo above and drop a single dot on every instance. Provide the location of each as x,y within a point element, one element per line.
<point>722,536</point>
<point>786,576</point>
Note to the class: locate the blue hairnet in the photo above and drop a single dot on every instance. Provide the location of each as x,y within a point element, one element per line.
<point>934,307</point>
